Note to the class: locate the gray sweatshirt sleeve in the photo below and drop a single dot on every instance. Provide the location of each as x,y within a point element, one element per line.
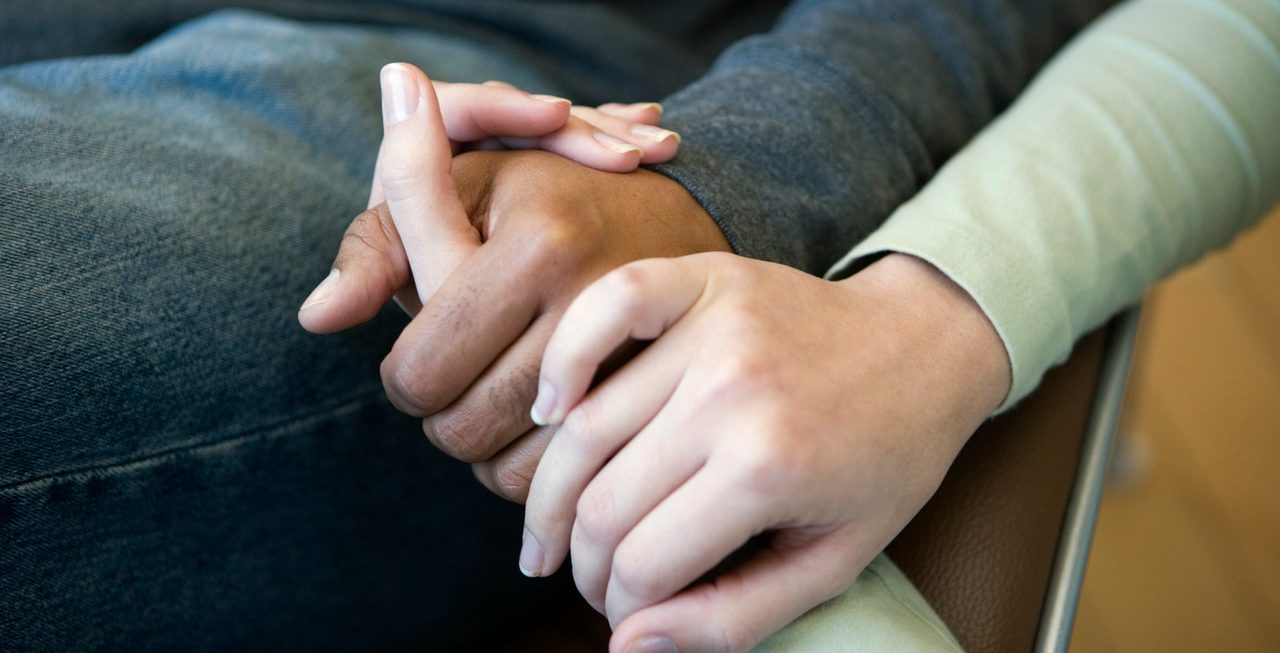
<point>802,141</point>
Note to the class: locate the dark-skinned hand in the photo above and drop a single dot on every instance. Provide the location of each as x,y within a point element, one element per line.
<point>498,244</point>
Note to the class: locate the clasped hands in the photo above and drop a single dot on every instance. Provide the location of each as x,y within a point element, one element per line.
<point>814,417</point>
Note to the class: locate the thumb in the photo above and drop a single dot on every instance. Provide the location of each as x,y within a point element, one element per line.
<point>407,294</point>
<point>416,177</point>
<point>744,605</point>
<point>370,268</point>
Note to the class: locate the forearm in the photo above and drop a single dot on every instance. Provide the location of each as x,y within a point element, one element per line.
<point>802,141</point>
<point>1137,151</point>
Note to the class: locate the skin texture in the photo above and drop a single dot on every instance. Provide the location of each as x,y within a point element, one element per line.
<point>489,116</point>
<point>550,227</point>
<point>814,416</point>
<point>811,418</point>
<point>496,245</point>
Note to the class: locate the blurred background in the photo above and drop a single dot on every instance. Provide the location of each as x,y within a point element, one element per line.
<point>1187,552</point>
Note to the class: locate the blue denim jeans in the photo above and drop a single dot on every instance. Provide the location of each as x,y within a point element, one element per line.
<point>182,467</point>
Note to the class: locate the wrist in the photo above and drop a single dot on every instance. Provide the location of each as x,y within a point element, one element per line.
<point>950,323</point>
<point>701,231</point>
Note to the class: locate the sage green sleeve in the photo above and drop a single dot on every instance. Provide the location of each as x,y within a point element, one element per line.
<point>881,612</point>
<point>1151,140</point>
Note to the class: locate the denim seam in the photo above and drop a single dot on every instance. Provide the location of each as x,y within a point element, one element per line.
<point>264,431</point>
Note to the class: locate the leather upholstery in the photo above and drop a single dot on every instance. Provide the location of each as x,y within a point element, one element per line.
<point>982,550</point>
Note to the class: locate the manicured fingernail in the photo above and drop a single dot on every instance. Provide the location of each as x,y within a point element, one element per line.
<point>322,291</point>
<point>649,105</point>
<point>530,556</point>
<point>551,99</point>
<point>543,404</point>
<point>616,144</point>
<point>655,134</point>
<point>399,93</point>
<point>653,644</point>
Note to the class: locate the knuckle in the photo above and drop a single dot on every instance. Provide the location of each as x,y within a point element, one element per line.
<point>736,271</point>
<point>509,401</point>
<point>628,279</point>
<point>551,238</point>
<point>540,512</point>
<point>559,241</point>
<point>369,233</point>
<point>400,174</point>
<point>405,387</point>
<point>595,521</point>
<point>634,575</point>
<point>625,288</point>
<point>484,472</point>
<point>512,480</point>
<point>744,321</point>
<point>762,464</point>
<point>730,630</point>
<point>742,375</point>
<point>482,422</point>
<point>586,582</point>
<point>724,262</point>
<point>749,365</point>
<point>735,635</point>
<point>547,514</point>
<point>578,427</point>
<point>460,435</point>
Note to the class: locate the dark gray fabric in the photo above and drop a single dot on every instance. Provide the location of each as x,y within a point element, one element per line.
<point>802,141</point>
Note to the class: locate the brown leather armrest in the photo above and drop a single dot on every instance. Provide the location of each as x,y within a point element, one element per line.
<point>982,550</point>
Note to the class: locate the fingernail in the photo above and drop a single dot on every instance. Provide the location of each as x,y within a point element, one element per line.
<point>651,105</point>
<point>322,291</point>
<point>530,556</point>
<point>617,145</point>
<point>655,134</point>
<point>654,644</point>
<point>551,99</point>
<point>399,93</point>
<point>543,404</point>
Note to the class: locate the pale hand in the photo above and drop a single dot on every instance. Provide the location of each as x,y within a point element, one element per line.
<point>821,415</point>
